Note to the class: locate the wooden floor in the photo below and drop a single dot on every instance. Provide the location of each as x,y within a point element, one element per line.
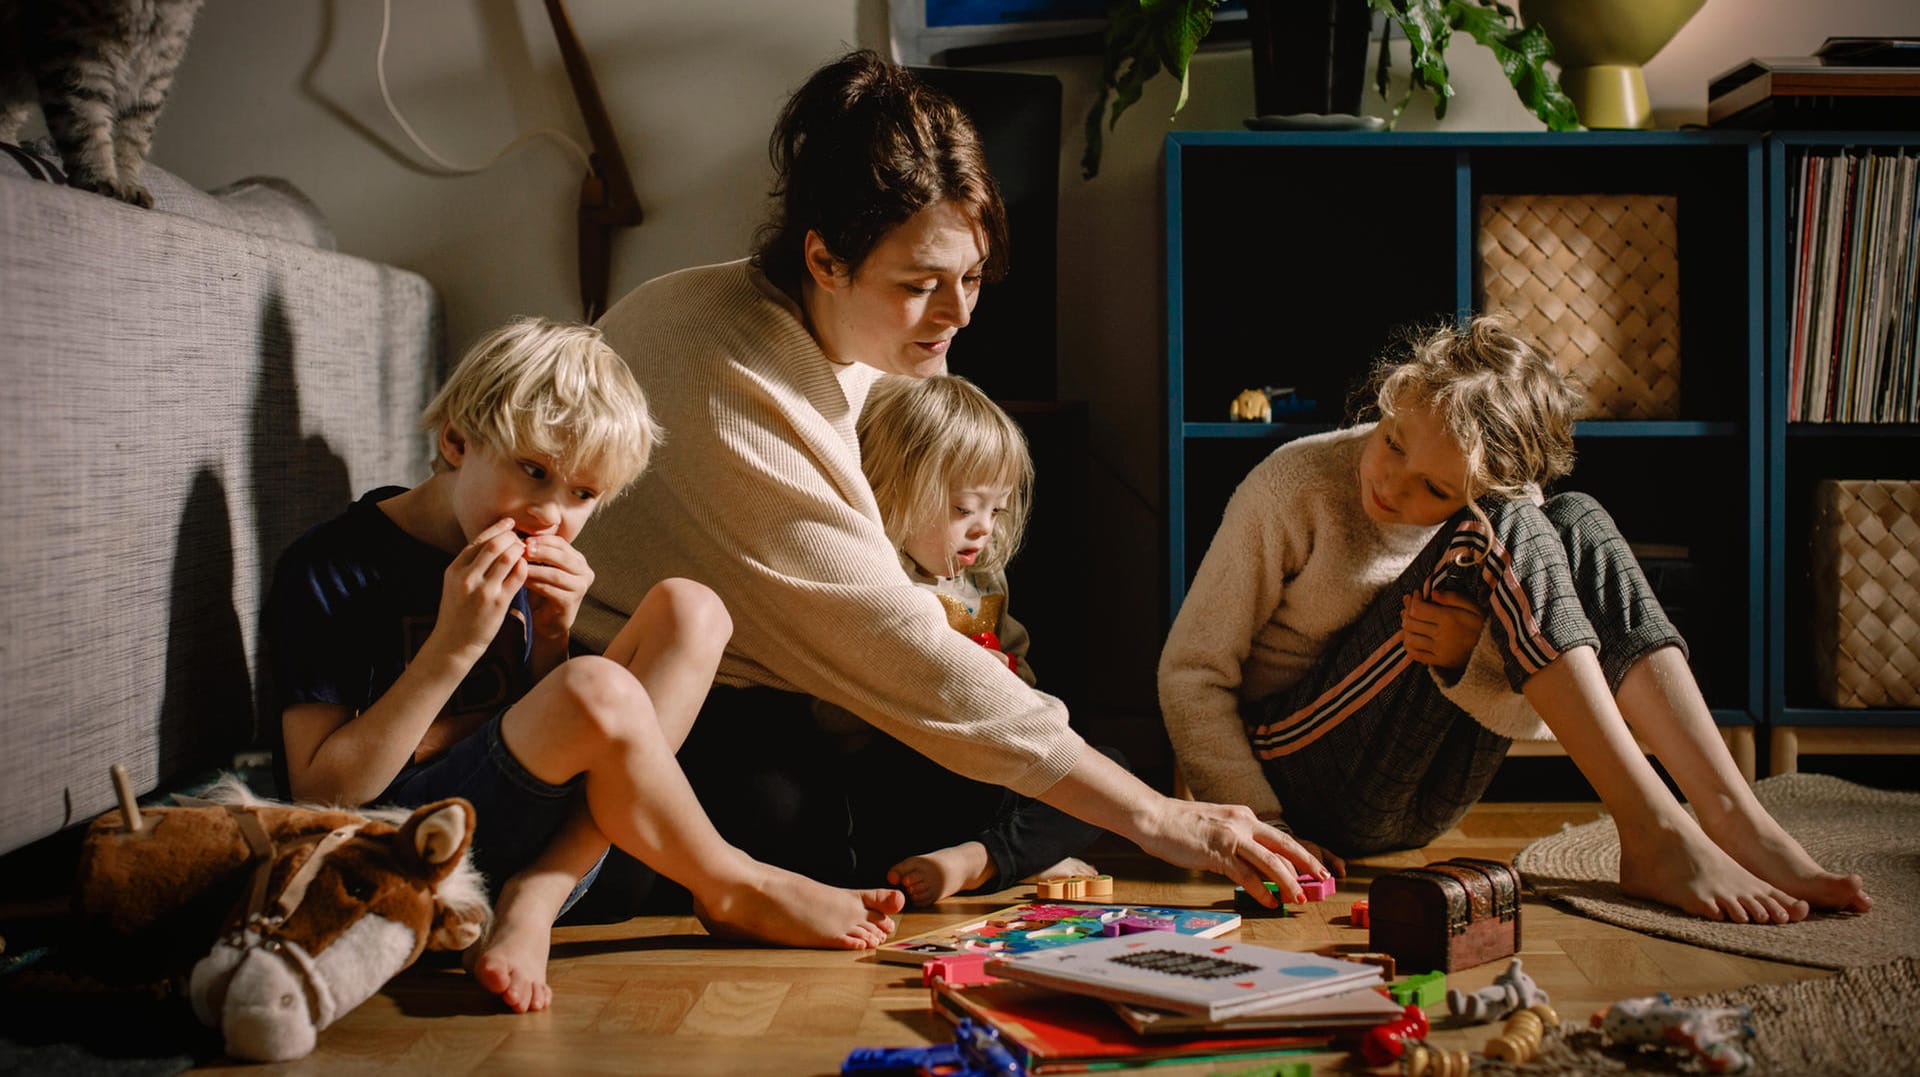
<point>656,995</point>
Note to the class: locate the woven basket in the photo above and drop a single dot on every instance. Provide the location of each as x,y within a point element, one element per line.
<point>1596,279</point>
<point>1866,606</point>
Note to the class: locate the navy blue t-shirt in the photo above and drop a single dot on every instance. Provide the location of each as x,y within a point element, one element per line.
<point>352,602</point>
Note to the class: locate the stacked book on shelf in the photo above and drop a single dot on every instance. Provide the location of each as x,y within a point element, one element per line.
<point>1853,257</point>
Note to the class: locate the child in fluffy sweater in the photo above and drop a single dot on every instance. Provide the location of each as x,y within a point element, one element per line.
<point>1387,606</point>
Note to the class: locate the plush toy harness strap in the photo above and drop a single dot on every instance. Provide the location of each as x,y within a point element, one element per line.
<point>259,928</point>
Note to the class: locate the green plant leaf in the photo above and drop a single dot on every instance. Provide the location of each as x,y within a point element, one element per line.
<point>1523,54</point>
<point>1179,33</point>
<point>1428,32</point>
<point>1143,37</point>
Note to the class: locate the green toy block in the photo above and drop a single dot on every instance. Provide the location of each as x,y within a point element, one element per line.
<point>1247,907</point>
<point>1427,990</point>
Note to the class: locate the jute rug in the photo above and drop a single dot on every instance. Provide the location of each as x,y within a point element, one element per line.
<point>1859,1023</point>
<point>1846,827</point>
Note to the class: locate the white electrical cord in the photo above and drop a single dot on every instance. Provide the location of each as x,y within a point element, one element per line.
<point>380,73</point>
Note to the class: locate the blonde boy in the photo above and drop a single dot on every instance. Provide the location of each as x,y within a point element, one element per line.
<point>420,650</point>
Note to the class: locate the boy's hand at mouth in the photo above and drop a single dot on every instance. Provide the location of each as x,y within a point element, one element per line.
<point>557,581</point>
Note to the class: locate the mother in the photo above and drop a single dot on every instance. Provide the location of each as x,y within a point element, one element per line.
<point>886,223</point>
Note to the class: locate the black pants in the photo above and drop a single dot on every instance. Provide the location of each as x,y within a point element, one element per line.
<point>844,811</point>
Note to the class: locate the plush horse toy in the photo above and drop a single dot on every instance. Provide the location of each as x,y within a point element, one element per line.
<point>287,916</point>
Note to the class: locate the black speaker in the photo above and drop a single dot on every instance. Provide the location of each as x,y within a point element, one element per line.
<point>1008,348</point>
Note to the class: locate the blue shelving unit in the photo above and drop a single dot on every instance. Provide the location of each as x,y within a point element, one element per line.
<point>1799,454</point>
<point>1292,258</point>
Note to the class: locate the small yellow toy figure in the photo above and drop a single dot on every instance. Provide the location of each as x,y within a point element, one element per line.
<point>1251,406</point>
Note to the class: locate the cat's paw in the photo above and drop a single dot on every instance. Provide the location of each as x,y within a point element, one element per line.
<point>135,195</point>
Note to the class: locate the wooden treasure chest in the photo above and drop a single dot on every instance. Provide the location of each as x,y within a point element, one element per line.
<point>1450,915</point>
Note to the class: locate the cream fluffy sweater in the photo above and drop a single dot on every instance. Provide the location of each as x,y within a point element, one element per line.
<point>1296,560</point>
<point>757,492</point>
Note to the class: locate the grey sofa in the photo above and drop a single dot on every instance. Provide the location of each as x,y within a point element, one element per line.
<point>186,389</point>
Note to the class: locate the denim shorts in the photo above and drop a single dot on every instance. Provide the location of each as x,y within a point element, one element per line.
<point>518,814</point>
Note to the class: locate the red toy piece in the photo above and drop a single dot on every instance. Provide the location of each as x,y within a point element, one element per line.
<point>1357,916</point>
<point>992,643</point>
<point>1384,1044</point>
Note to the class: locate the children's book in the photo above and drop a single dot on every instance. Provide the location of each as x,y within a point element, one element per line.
<point>1357,1009</point>
<point>1211,978</point>
<point>1050,1032</point>
<point>1040,926</point>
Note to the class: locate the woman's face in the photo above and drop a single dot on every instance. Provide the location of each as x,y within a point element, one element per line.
<point>900,308</point>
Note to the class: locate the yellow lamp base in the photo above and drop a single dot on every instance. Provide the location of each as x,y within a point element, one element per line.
<point>1612,96</point>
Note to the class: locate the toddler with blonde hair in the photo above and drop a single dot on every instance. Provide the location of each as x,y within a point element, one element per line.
<point>953,481</point>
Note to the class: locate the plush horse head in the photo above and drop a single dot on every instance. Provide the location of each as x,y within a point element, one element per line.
<point>319,907</point>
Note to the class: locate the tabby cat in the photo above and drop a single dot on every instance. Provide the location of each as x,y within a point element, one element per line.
<point>100,70</point>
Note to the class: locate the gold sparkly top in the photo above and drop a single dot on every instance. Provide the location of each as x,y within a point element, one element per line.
<point>969,621</point>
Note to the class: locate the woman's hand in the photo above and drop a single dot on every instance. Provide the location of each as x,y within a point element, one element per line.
<point>1227,839</point>
<point>1441,631</point>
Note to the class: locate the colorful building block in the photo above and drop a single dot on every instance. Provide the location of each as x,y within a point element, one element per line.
<point>1246,905</point>
<point>1426,990</point>
<point>1317,889</point>
<point>1357,915</point>
<point>1074,888</point>
<point>960,970</point>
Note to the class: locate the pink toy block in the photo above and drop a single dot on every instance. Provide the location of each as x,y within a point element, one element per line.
<point>1317,889</point>
<point>960,970</point>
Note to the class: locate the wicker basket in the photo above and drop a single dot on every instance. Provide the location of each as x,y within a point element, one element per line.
<point>1595,278</point>
<point>1866,605</point>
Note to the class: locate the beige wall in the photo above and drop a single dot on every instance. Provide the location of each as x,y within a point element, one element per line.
<point>286,88</point>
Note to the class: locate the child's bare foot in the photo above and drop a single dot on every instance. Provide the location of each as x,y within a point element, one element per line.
<point>1763,847</point>
<point>774,905</point>
<point>512,960</point>
<point>1677,865</point>
<point>940,874</point>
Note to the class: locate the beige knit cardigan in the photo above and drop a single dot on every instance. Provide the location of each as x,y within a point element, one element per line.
<point>757,492</point>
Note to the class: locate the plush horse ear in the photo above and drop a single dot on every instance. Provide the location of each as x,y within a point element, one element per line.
<point>439,834</point>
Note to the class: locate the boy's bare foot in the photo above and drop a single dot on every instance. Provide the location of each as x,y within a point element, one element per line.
<point>1677,865</point>
<point>940,874</point>
<point>774,905</point>
<point>512,960</point>
<point>1762,846</point>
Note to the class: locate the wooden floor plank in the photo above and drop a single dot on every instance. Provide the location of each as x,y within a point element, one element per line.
<point>657,995</point>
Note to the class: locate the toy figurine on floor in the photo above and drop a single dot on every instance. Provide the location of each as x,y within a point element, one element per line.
<point>1718,1036</point>
<point>1510,991</point>
<point>976,1051</point>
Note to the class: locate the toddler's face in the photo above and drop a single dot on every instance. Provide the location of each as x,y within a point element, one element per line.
<point>1411,471</point>
<point>949,546</point>
<point>490,484</point>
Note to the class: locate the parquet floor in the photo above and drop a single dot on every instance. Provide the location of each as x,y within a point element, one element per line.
<point>656,995</point>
